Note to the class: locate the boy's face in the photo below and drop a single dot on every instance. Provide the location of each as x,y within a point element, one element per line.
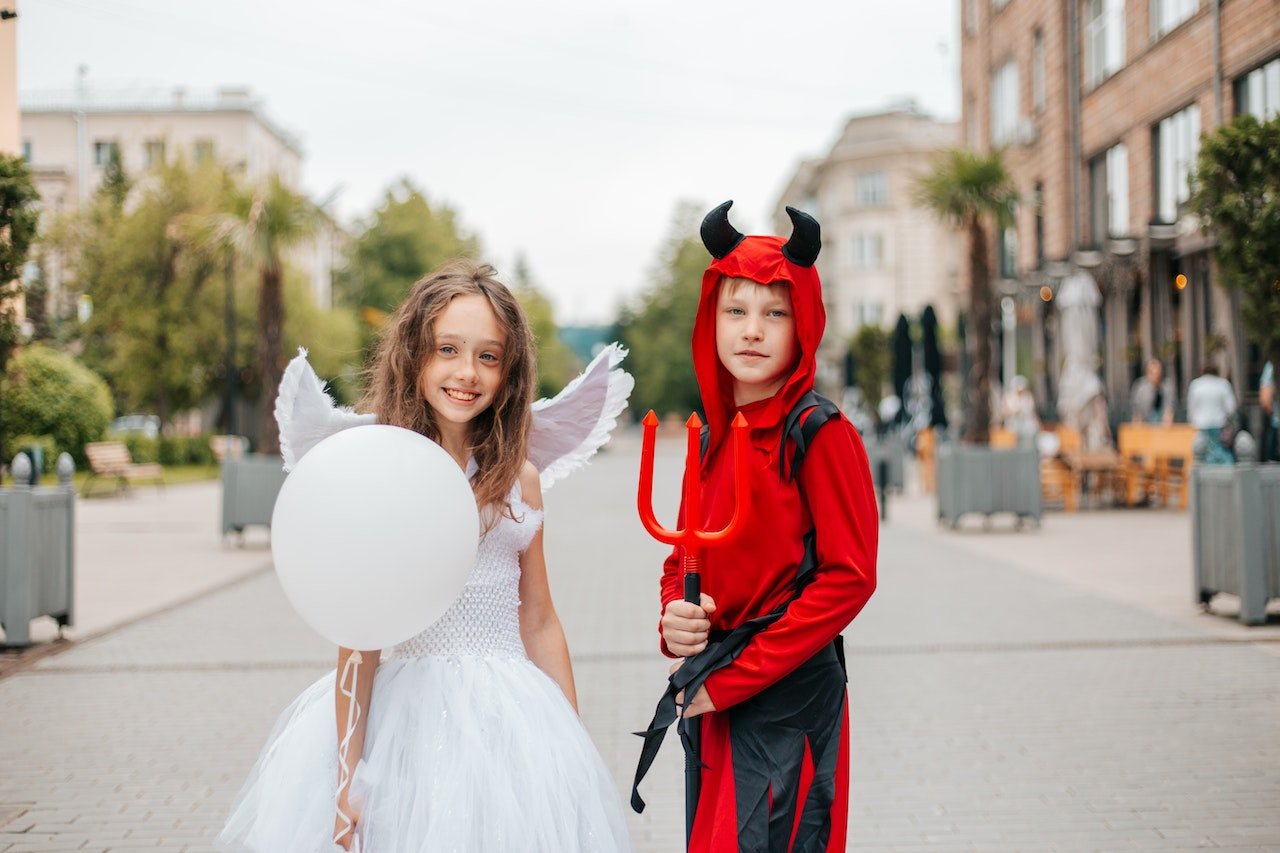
<point>755,337</point>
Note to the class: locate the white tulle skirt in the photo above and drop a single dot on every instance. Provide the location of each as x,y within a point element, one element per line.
<point>469,754</point>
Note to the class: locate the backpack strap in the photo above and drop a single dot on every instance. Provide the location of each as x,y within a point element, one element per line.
<point>800,430</point>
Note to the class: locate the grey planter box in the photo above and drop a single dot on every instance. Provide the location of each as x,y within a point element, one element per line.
<point>37,553</point>
<point>891,452</point>
<point>1235,535</point>
<point>249,489</point>
<point>986,481</point>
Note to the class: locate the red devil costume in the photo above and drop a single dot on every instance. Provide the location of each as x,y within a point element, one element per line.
<point>775,753</point>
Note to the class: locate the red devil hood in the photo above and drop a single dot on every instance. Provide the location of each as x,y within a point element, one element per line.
<point>767,260</point>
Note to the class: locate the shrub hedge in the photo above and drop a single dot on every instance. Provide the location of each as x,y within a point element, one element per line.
<point>49,393</point>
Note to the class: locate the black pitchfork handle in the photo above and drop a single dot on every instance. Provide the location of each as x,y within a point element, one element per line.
<point>692,732</point>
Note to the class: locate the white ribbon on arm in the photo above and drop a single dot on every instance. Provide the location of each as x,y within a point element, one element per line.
<point>351,667</point>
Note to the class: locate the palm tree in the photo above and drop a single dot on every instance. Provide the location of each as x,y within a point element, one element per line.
<point>261,225</point>
<point>967,189</point>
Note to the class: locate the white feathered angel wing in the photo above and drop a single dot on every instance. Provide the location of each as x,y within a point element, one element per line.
<point>569,428</point>
<point>306,413</point>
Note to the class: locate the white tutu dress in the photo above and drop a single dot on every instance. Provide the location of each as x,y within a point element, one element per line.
<point>469,747</point>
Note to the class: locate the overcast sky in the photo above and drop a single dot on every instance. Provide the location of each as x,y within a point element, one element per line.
<point>564,130</point>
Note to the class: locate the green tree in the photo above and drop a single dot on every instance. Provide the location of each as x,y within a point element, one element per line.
<point>1236,191</point>
<point>331,337</point>
<point>155,333</point>
<point>406,237</point>
<point>658,328</point>
<point>556,362</point>
<point>259,226</point>
<point>52,394</point>
<point>18,220</point>
<point>969,191</point>
<point>872,359</point>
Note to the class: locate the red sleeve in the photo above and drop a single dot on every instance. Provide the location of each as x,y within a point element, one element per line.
<point>835,480</point>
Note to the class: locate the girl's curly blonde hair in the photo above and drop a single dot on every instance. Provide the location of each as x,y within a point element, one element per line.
<point>498,436</point>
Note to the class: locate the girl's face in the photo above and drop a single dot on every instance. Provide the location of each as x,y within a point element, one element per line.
<point>462,376</point>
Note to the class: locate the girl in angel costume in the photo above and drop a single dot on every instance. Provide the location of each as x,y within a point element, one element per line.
<point>468,733</point>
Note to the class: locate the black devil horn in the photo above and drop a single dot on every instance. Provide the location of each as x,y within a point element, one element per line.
<point>718,235</point>
<point>806,239</point>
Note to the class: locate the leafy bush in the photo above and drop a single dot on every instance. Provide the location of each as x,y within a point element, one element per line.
<point>45,443</point>
<point>141,448</point>
<point>187,450</point>
<point>179,450</point>
<point>49,393</point>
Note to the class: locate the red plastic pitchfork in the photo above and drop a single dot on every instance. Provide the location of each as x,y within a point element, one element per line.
<point>692,538</point>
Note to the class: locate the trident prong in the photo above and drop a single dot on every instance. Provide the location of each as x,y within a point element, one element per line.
<point>692,537</point>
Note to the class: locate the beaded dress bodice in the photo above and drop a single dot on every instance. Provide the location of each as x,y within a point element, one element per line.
<point>485,619</point>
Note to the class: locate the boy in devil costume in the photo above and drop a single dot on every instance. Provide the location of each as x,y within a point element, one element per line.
<point>764,665</point>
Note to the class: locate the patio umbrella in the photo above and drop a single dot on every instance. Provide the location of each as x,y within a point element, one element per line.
<point>1079,389</point>
<point>902,363</point>
<point>933,366</point>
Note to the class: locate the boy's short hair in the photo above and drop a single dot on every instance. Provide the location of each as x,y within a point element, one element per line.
<point>730,284</point>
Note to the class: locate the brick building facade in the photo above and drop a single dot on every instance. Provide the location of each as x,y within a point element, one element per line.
<point>1099,106</point>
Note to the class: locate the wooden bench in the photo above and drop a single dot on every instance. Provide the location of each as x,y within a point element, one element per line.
<point>1157,460</point>
<point>110,460</point>
<point>1059,480</point>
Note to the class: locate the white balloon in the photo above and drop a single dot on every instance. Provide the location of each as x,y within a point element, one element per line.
<point>374,535</point>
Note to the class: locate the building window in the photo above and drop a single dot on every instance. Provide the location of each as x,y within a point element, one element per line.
<point>104,151</point>
<point>1258,92</point>
<point>868,251</point>
<point>204,150</point>
<point>1167,14</point>
<point>1007,238</point>
<point>1109,195</point>
<point>1038,70</point>
<point>1004,104</point>
<point>26,150</point>
<point>1177,143</point>
<point>1104,40</point>
<point>871,189</point>
<point>154,153</point>
<point>867,313</point>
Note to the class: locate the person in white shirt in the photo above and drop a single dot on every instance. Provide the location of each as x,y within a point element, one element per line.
<point>1211,402</point>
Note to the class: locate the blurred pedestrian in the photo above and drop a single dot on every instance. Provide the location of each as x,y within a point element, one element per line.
<point>1153,398</point>
<point>1270,414</point>
<point>1211,404</point>
<point>1018,411</point>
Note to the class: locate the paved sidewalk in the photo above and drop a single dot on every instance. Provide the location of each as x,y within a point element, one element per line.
<point>1009,691</point>
<point>148,549</point>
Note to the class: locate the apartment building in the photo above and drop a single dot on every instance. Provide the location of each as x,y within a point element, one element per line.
<point>883,254</point>
<point>70,137</point>
<point>9,139</point>
<point>1099,106</point>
